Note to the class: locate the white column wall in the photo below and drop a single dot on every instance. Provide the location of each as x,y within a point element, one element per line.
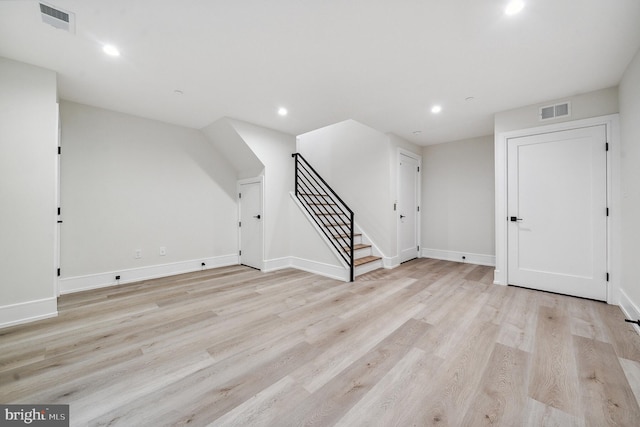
<point>28,185</point>
<point>630,177</point>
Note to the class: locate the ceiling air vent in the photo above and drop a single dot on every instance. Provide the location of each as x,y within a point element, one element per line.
<point>554,111</point>
<point>58,18</point>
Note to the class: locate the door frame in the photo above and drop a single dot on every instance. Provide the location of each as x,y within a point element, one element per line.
<point>417,158</point>
<point>256,180</point>
<point>611,123</point>
<point>58,227</point>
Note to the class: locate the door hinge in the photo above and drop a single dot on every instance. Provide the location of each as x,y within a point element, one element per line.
<point>58,272</point>
<point>606,147</point>
<point>239,223</point>
<point>607,277</point>
<point>239,252</point>
<point>418,168</point>
<point>239,195</point>
<point>59,150</point>
<point>418,208</point>
<point>59,211</point>
<point>607,211</point>
<point>418,248</point>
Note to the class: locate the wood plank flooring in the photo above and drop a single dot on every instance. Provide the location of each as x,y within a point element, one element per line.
<point>428,343</point>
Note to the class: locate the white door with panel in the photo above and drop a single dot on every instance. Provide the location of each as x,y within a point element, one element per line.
<point>557,207</point>
<point>251,219</point>
<point>408,207</point>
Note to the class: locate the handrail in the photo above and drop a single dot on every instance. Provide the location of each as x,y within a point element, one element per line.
<point>321,201</point>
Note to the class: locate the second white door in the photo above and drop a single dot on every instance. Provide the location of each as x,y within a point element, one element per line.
<point>408,207</point>
<point>251,219</point>
<point>557,204</point>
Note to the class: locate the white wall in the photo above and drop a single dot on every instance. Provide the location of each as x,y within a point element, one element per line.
<point>398,142</point>
<point>273,149</point>
<point>308,249</point>
<point>226,140</point>
<point>28,156</point>
<point>583,106</point>
<point>355,160</point>
<point>458,200</point>
<point>130,183</point>
<point>630,137</point>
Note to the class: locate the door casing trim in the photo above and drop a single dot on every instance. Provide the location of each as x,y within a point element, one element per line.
<point>255,180</point>
<point>418,158</point>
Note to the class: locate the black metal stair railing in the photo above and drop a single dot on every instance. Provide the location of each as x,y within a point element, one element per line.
<point>331,214</point>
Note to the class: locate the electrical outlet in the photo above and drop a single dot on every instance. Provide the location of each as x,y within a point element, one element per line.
<point>117,277</point>
<point>138,254</point>
<point>163,251</point>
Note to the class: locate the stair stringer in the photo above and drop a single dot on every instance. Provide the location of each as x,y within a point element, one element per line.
<point>384,262</point>
<point>340,273</point>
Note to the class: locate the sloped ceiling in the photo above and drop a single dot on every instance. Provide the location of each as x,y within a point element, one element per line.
<point>381,62</point>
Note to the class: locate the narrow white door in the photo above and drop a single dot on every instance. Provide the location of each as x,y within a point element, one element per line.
<point>408,208</point>
<point>557,199</point>
<point>251,224</point>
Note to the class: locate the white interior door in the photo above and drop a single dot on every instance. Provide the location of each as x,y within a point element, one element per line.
<point>408,184</point>
<point>251,219</point>
<point>557,198</point>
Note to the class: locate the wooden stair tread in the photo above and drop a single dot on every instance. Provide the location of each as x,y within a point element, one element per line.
<point>365,260</point>
<point>322,204</point>
<point>329,214</point>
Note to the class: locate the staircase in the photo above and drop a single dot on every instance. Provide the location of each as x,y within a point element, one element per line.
<point>334,218</point>
<point>364,260</point>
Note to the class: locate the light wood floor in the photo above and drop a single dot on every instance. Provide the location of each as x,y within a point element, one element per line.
<point>429,343</point>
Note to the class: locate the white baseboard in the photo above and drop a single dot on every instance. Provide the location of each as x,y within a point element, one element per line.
<point>332,271</point>
<point>277,264</point>
<point>327,270</point>
<point>630,309</point>
<point>94,281</point>
<point>497,278</point>
<point>470,258</point>
<point>30,311</point>
<point>390,262</point>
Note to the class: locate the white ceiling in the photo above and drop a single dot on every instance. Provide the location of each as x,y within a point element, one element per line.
<point>381,62</point>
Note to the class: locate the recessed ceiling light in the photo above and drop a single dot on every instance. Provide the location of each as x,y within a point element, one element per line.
<point>178,92</point>
<point>469,98</point>
<point>282,111</point>
<point>110,50</point>
<point>417,132</point>
<point>436,109</point>
<point>514,7</point>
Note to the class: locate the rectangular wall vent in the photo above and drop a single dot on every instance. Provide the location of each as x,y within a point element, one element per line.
<point>58,18</point>
<point>554,111</point>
